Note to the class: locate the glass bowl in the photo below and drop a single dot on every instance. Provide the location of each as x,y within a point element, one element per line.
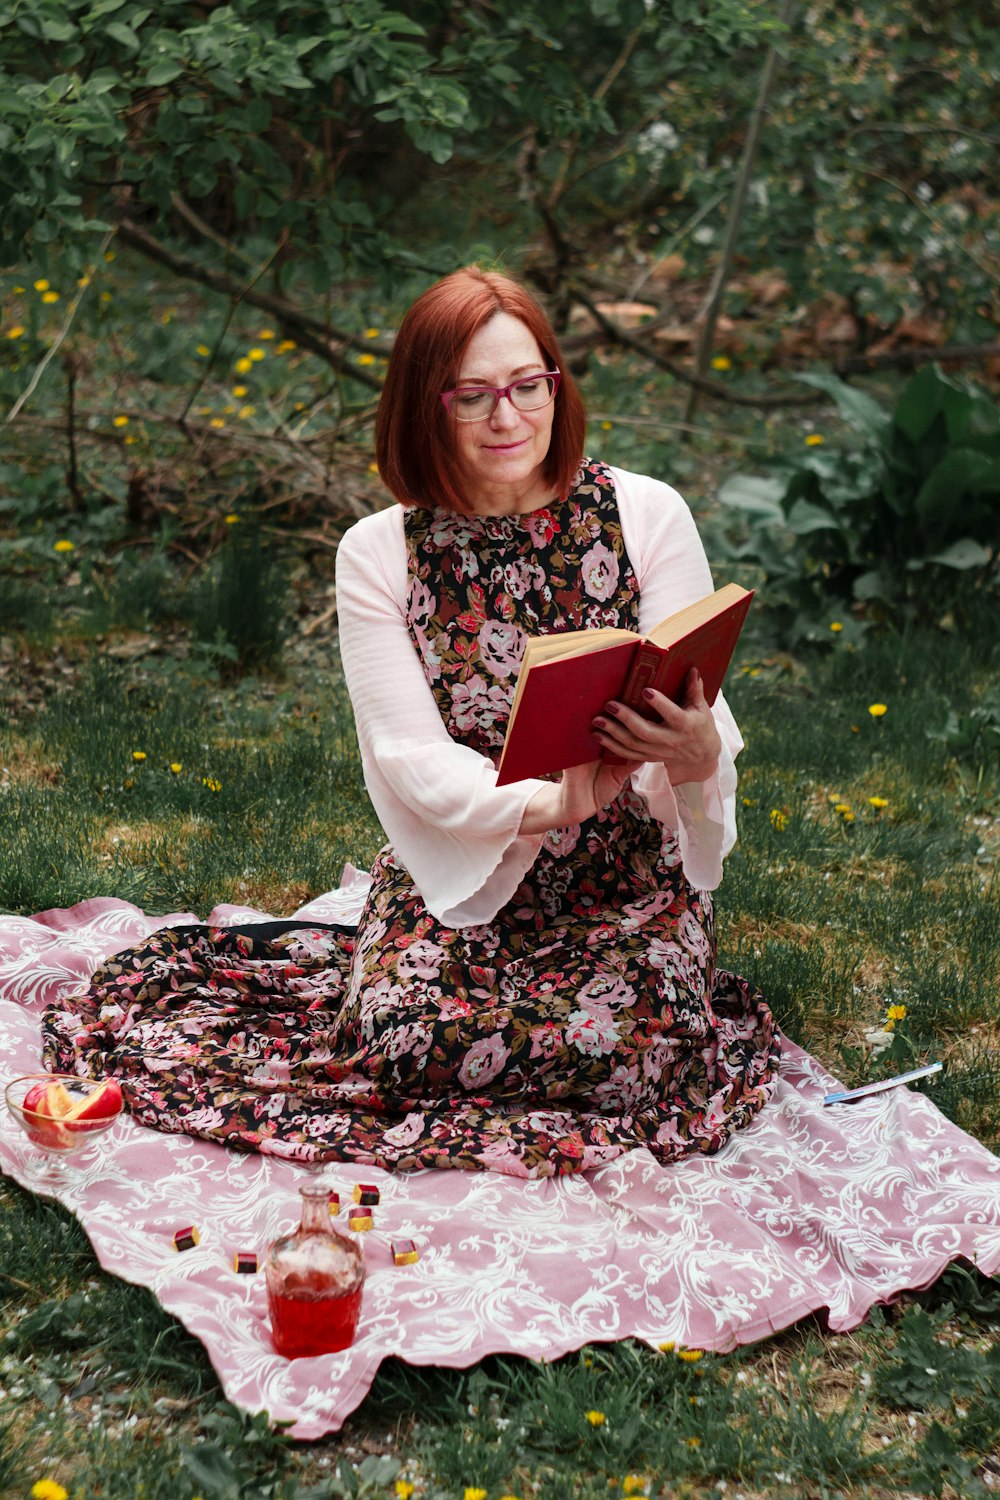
<point>60,1142</point>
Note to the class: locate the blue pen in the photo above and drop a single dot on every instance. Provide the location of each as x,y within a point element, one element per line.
<point>885,1083</point>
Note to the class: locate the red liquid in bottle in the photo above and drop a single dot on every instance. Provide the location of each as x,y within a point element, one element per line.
<point>313,1324</point>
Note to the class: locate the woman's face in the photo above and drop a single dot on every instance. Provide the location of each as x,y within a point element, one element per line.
<point>502,456</point>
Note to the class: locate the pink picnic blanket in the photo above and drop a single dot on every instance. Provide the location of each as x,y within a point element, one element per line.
<point>811,1209</point>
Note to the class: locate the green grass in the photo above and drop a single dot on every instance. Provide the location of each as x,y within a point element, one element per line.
<point>834,919</point>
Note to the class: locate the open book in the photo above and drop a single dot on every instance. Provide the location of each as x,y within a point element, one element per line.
<point>567,678</point>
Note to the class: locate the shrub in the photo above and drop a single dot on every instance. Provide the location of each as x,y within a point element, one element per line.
<point>887,521</point>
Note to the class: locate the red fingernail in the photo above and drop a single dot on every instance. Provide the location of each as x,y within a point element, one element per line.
<point>612,708</point>
<point>648,694</point>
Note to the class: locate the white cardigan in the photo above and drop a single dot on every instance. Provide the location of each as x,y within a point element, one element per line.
<point>452,828</point>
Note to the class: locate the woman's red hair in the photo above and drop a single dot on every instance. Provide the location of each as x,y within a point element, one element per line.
<point>414,434</point>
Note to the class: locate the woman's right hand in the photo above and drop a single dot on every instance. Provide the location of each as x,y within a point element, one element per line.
<point>580,793</point>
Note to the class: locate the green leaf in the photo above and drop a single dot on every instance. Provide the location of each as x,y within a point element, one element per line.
<point>752,493</point>
<point>214,1474</point>
<point>961,472</point>
<point>123,34</point>
<point>857,409</point>
<point>919,404</point>
<point>804,518</point>
<point>163,72</point>
<point>965,553</point>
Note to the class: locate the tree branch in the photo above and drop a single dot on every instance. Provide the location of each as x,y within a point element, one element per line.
<point>735,221</point>
<point>309,332</point>
<point>706,387</point>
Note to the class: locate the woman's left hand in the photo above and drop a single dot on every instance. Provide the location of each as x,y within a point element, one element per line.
<point>682,737</point>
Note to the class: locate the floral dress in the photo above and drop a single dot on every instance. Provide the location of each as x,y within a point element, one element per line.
<point>585,1019</point>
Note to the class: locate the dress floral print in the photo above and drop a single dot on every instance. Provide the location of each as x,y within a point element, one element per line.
<point>587,1018</point>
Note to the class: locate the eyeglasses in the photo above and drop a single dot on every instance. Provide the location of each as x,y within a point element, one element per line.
<point>475,403</point>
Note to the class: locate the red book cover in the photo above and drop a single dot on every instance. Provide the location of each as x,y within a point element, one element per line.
<point>558,703</point>
<point>558,699</point>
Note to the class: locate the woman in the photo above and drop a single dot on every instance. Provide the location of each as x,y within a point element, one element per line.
<point>532,987</point>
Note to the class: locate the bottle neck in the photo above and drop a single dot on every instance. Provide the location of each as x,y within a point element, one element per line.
<point>315,1209</point>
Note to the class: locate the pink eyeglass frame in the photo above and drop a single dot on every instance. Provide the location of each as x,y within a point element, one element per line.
<point>499,392</point>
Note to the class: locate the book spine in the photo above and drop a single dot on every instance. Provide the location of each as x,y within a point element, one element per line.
<point>644,673</point>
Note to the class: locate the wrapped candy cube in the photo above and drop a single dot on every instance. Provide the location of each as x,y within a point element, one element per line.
<point>361,1220</point>
<point>366,1193</point>
<point>186,1239</point>
<point>404,1253</point>
<point>245,1262</point>
<point>334,1204</point>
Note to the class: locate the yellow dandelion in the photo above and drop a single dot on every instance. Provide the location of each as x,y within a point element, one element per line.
<point>896,1013</point>
<point>373,468</point>
<point>166,317</point>
<point>41,286</point>
<point>779,820</point>
<point>231,519</point>
<point>403,1489</point>
<point>265,334</point>
<point>607,426</point>
<point>836,626</point>
<point>18,290</point>
<point>814,439</point>
<point>371,333</point>
<point>878,709</point>
<point>227,411</point>
<point>286,346</point>
<point>245,412</point>
<point>212,784</point>
<point>119,421</point>
<point>842,807</point>
<point>47,1489</point>
<point>50,296</point>
<point>130,440</point>
<point>754,672</point>
<point>879,802</point>
<point>216,422</point>
<point>17,332</point>
<point>670,1346</point>
<point>693,1442</point>
<point>65,545</point>
<point>633,1484</point>
<point>138,755</point>
<point>299,406</point>
<point>106,296</point>
<point>176,767</point>
<point>109,256</point>
<point>722,362</point>
<point>366,359</point>
<point>474,1492</point>
<point>243,366</point>
<point>596,1418</point>
<point>83,280</point>
<point>256,355</point>
<point>510,1497</point>
<point>239,390</point>
<point>203,350</point>
<point>689,1356</point>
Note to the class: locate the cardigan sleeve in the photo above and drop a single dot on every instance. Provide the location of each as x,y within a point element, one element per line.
<point>452,827</point>
<point>666,552</point>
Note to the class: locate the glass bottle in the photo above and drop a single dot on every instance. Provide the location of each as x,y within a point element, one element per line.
<point>314,1280</point>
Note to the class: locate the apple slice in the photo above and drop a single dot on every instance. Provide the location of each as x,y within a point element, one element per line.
<point>102,1103</point>
<point>47,1104</point>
